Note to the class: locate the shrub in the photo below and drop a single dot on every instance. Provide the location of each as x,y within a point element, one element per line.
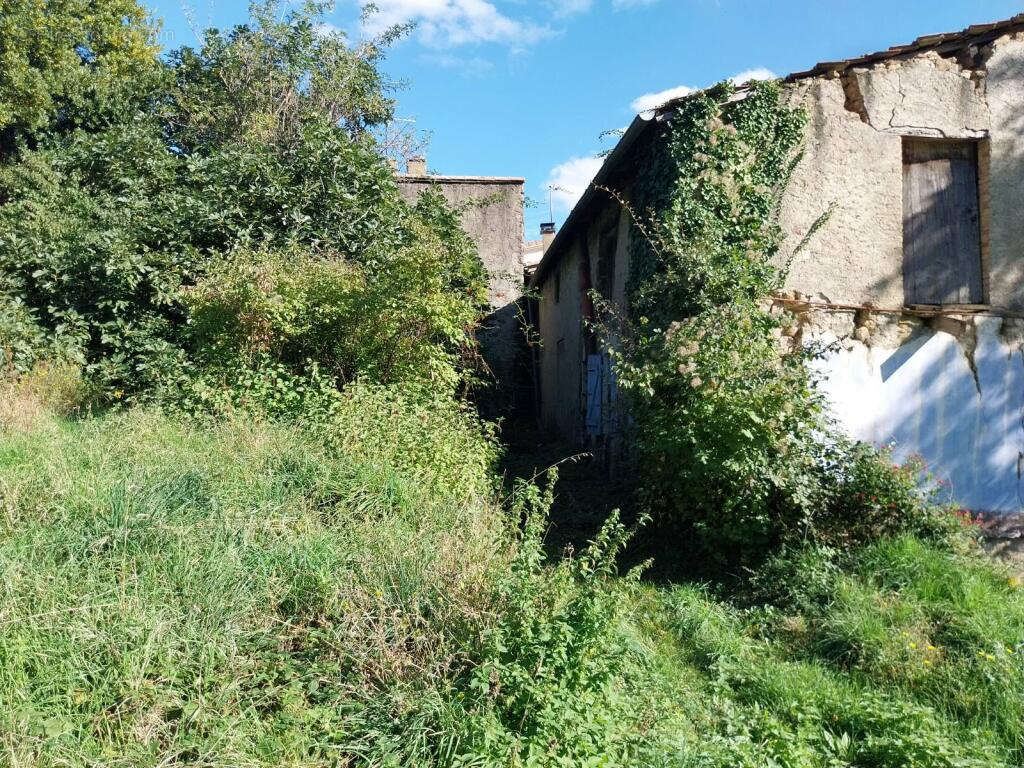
<point>549,687</point>
<point>297,321</point>
<point>49,387</point>
<point>872,498</point>
<point>113,235</point>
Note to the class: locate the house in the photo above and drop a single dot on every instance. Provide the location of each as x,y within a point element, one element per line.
<point>917,277</point>
<point>492,215</point>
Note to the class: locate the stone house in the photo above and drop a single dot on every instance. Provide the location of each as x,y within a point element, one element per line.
<point>492,214</point>
<point>918,276</point>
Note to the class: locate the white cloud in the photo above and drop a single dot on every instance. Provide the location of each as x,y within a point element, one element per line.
<point>650,101</point>
<point>563,8</point>
<point>570,180</point>
<point>753,74</point>
<point>442,23</point>
<point>326,29</point>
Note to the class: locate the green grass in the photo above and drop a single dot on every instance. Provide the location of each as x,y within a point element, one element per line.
<point>223,594</point>
<point>241,594</point>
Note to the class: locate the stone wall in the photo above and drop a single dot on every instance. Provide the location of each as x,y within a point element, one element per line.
<point>492,214</point>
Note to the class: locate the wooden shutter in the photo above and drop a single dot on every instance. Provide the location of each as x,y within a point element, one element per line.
<point>941,222</point>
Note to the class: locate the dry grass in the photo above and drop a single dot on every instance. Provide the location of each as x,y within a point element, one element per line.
<point>53,388</point>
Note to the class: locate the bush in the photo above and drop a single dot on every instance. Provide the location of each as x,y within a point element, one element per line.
<point>549,688</point>
<point>49,387</point>
<point>733,441</point>
<point>872,498</point>
<point>113,235</point>
<point>270,327</point>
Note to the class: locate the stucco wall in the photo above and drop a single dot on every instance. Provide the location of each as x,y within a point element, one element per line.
<point>954,397</point>
<point>492,214</point>
<point>561,355</point>
<point>561,324</point>
<point>949,389</point>
<point>853,165</point>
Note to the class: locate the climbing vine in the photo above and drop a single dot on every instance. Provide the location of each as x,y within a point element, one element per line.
<point>732,436</point>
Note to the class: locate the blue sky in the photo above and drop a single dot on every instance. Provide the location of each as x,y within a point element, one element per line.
<point>526,87</point>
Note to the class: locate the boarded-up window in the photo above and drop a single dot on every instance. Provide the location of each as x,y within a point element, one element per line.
<point>941,222</point>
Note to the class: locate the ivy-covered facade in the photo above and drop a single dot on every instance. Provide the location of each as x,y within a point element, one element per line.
<point>900,256</point>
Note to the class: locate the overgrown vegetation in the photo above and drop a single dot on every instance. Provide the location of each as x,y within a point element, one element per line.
<point>733,441</point>
<point>248,513</point>
<point>240,210</point>
<point>239,593</point>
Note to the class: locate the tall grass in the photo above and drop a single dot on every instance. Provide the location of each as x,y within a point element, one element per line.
<point>231,591</point>
<point>237,593</point>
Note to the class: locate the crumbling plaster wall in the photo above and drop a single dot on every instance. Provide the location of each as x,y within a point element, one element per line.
<point>853,166</point>
<point>949,389</point>
<point>562,325</point>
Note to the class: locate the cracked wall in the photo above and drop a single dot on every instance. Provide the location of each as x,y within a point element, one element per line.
<point>949,389</point>
<point>951,394</point>
<point>853,164</point>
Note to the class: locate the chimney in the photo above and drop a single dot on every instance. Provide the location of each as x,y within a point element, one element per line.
<point>547,234</point>
<point>417,166</point>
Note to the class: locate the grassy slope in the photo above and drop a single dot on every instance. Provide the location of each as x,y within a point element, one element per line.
<point>170,590</point>
<point>247,595</point>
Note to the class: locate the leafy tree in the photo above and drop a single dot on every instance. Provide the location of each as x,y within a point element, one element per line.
<point>73,63</point>
<point>262,82</point>
<point>255,159</point>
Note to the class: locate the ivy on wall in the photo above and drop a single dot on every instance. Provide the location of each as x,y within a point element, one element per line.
<point>731,434</point>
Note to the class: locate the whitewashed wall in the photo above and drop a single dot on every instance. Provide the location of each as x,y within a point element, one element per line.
<point>922,397</point>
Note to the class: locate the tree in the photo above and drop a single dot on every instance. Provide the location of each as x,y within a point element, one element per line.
<point>263,81</point>
<point>71,63</point>
<point>133,244</point>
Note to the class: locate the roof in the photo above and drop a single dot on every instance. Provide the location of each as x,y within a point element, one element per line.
<point>629,138</point>
<point>432,179</point>
<point>945,44</point>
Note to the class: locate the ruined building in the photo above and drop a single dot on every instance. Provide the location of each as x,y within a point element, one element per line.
<point>918,276</point>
